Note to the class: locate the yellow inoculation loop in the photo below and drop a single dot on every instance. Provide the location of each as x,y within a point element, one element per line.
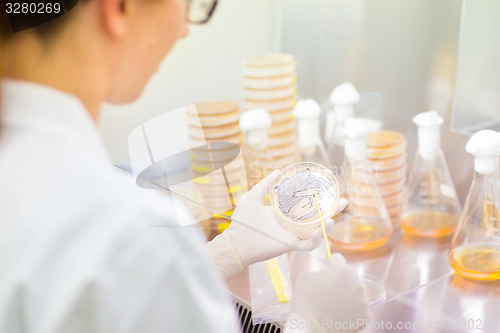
<point>223,226</point>
<point>325,236</point>
<point>225,214</point>
<point>273,268</point>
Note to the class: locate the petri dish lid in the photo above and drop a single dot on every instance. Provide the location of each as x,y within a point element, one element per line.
<point>195,142</point>
<point>269,83</point>
<point>283,127</point>
<point>384,139</point>
<point>386,152</point>
<point>300,189</point>
<point>383,165</point>
<point>213,120</point>
<point>271,105</point>
<point>214,132</point>
<point>269,60</point>
<point>218,107</point>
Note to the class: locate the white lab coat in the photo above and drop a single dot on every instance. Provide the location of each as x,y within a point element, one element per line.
<point>76,252</point>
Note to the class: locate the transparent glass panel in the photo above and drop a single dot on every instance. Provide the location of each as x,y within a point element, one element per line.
<point>476,103</point>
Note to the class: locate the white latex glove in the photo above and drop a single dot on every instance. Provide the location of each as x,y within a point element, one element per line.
<point>331,300</point>
<point>255,235</point>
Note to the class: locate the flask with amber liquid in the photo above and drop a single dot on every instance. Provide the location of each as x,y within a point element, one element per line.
<point>475,248</point>
<point>432,206</point>
<point>365,224</point>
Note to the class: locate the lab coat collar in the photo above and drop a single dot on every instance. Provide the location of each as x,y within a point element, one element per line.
<point>49,113</point>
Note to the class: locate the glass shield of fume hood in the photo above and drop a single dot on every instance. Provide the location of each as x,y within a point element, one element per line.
<point>206,177</point>
<point>476,100</point>
<point>409,282</point>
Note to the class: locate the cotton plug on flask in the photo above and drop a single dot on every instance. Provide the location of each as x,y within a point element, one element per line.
<point>344,99</point>
<point>365,224</point>
<point>307,113</point>
<point>475,248</point>
<point>432,206</point>
<point>255,124</point>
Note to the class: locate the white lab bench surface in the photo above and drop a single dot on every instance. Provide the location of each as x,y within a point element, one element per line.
<point>422,292</point>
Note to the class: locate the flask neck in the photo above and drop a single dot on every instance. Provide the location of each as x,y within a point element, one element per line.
<point>308,132</point>
<point>486,179</point>
<point>486,165</point>
<point>343,112</point>
<point>429,141</point>
<point>256,139</point>
<point>355,149</point>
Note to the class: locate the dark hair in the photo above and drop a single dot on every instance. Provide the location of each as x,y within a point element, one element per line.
<point>4,24</point>
<point>43,31</point>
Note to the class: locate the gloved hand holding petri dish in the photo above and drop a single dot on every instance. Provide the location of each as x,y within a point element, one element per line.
<point>304,196</point>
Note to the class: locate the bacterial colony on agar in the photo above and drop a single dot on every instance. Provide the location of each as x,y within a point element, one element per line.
<point>300,195</point>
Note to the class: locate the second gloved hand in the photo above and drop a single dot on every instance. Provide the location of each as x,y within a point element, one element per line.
<point>255,235</point>
<point>332,296</point>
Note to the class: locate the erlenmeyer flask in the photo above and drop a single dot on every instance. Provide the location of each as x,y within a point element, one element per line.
<point>311,147</point>
<point>475,248</point>
<point>432,207</point>
<point>254,124</point>
<point>365,224</point>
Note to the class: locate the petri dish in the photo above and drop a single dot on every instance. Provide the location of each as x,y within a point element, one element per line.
<point>282,150</point>
<point>372,201</point>
<point>282,139</point>
<point>213,120</point>
<point>215,108</point>
<point>280,116</point>
<point>394,198</point>
<point>395,210</point>
<point>271,105</point>
<point>268,65</point>
<point>270,82</point>
<point>214,132</point>
<point>381,165</point>
<point>384,139</point>
<point>386,152</point>
<point>236,139</point>
<point>391,188</point>
<point>297,194</point>
<point>270,94</point>
<point>283,127</point>
<point>389,176</point>
<point>373,287</point>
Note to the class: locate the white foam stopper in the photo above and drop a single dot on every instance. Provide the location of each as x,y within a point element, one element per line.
<point>307,113</point>
<point>307,108</point>
<point>429,133</point>
<point>355,131</point>
<point>255,123</point>
<point>344,94</point>
<point>485,146</point>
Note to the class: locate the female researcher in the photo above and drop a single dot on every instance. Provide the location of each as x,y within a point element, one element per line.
<point>76,255</point>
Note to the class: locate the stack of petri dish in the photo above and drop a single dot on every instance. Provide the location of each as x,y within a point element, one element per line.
<point>386,152</point>
<point>269,82</point>
<point>216,162</point>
